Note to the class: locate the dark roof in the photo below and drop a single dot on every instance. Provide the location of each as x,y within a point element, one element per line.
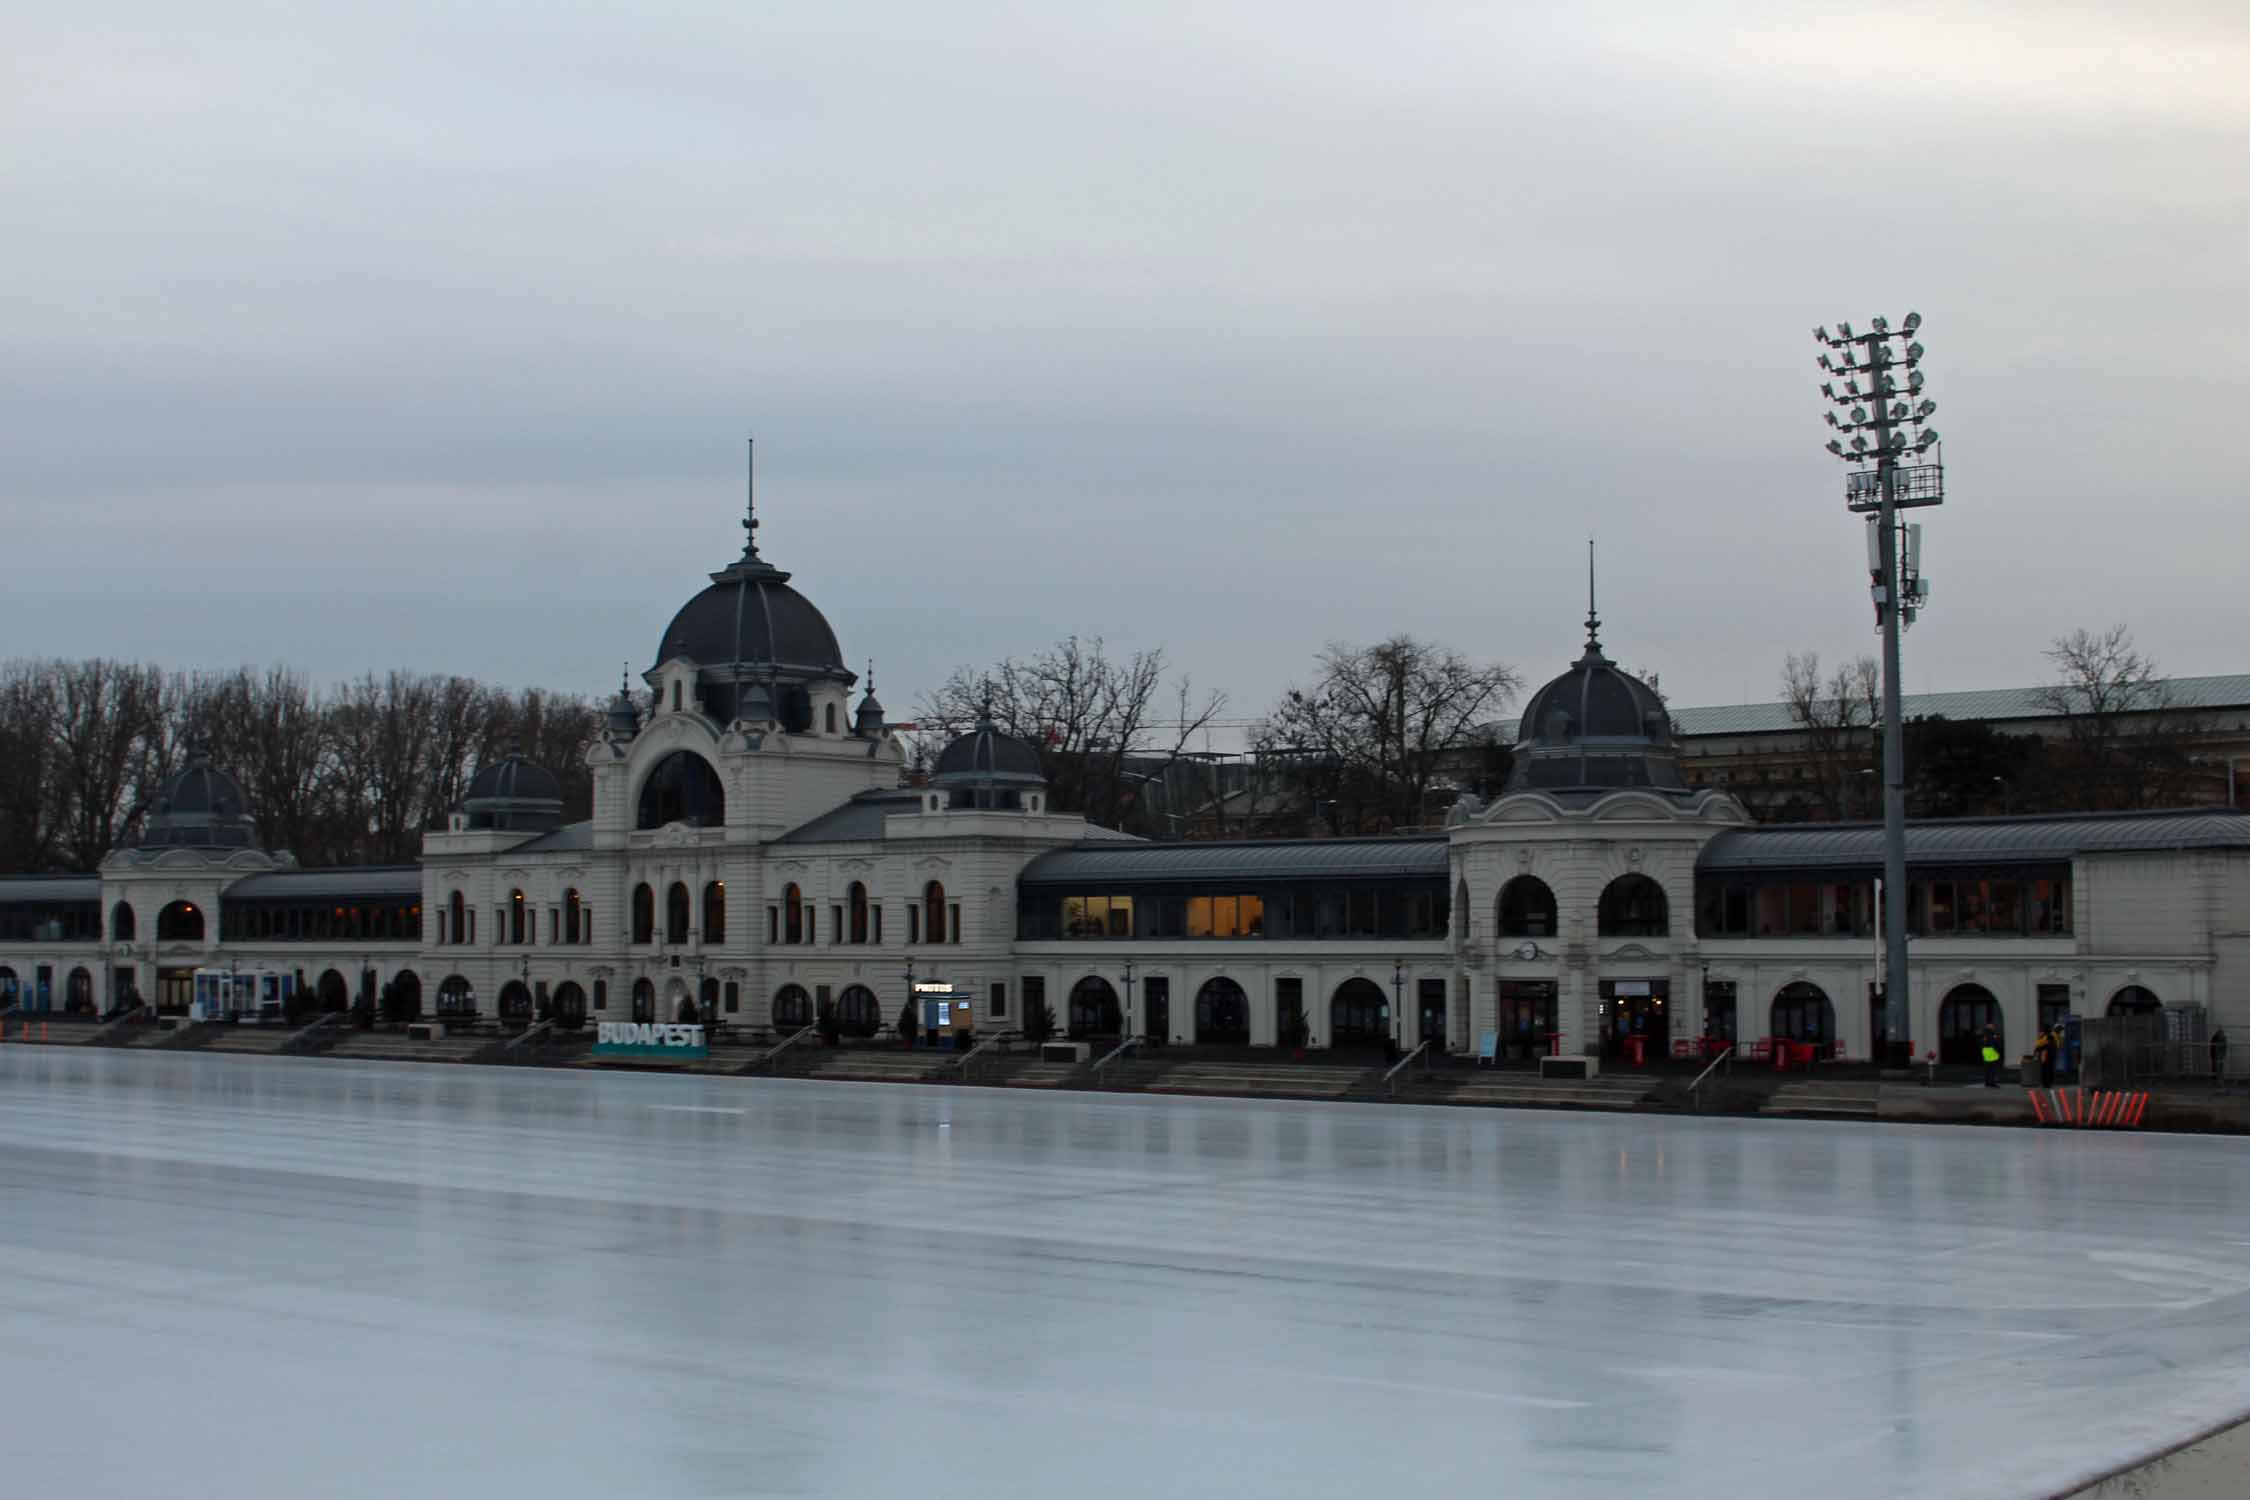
<point>750,614</point>
<point>19,888</point>
<point>571,838</point>
<point>200,806</point>
<point>515,779</point>
<point>382,882</point>
<point>986,753</point>
<point>1974,841</point>
<point>2230,690</point>
<point>1089,867</point>
<point>857,821</point>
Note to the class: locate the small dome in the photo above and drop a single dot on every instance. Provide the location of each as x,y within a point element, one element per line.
<point>624,719</point>
<point>868,722</point>
<point>985,755</point>
<point>201,806</point>
<point>513,792</point>
<point>1595,728</point>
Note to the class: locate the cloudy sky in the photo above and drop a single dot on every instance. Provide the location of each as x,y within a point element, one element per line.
<point>427,335</point>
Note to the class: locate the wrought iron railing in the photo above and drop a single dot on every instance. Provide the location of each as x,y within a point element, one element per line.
<point>1390,1079</point>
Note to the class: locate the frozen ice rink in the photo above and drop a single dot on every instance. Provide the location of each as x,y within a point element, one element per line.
<point>275,1278</point>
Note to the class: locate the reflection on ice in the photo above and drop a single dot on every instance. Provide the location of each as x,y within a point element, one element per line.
<point>314,1277</point>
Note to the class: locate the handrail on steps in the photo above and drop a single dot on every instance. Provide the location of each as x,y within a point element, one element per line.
<point>327,1018</point>
<point>1390,1079</point>
<point>1693,1096</point>
<point>785,1044</point>
<point>527,1034</point>
<point>1114,1053</point>
<point>962,1062</point>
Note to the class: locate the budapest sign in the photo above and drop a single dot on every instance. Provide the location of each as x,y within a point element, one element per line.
<point>650,1041</point>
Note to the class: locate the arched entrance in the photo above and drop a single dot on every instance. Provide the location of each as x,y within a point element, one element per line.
<point>792,1008</point>
<point>455,998</point>
<point>402,997</point>
<point>858,1012</point>
<point>2134,1001</point>
<point>181,922</point>
<point>1359,1015</point>
<point>1802,1013</point>
<point>1530,1017</point>
<point>644,1001</point>
<point>1094,1010</point>
<point>570,1006</point>
<point>515,1001</point>
<point>331,991</point>
<point>78,993</point>
<point>1222,1014</point>
<point>1961,1018</point>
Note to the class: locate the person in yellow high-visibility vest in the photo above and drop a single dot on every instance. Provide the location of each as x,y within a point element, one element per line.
<point>1990,1044</point>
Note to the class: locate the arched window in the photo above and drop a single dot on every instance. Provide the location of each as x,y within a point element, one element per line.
<point>792,1008</point>
<point>1222,1013</point>
<point>933,913</point>
<point>456,927</point>
<point>574,912</point>
<point>2133,1000</point>
<point>1094,1010</point>
<point>792,914</point>
<point>858,899</point>
<point>1801,1013</point>
<point>1359,1014</point>
<point>714,912</point>
<point>455,998</point>
<point>644,1000</point>
<point>1527,908</point>
<point>1633,906</point>
<point>831,718</point>
<point>1461,911</point>
<point>858,1012</point>
<point>1961,1018</point>
<point>515,918</point>
<point>644,913</point>
<point>676,912</point>
<point>682,788</point>
<point>181,922</point>
<point>570,1006</point>
<point>121,922</point>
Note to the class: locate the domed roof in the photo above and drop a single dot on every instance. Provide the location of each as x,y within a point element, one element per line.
<point>200,806</point>
<point>985,754</point>
<point>512,778</point>
<point>514,793</point>
<point>750,616</point>
<point>1595,728</point>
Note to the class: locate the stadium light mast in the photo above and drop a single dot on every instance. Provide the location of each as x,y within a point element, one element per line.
<point>1888,475</point>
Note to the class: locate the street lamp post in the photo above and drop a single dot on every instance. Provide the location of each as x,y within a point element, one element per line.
<point>1881,484</point>
<point>1129,1027</point>
<point>912,1009</point>
<point>1398,1003</point>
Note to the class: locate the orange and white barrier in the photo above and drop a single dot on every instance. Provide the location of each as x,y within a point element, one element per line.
<point>2101,1109</point>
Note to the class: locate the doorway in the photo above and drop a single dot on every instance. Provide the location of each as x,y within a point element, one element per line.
<point>1530,1014</point>
<point>1636,1029</point>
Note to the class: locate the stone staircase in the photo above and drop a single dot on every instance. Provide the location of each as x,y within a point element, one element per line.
<point>52,1030</point>
<point>261,1041</point>
<point>1819,1099</point>
<point>871,1065</point>
<point>1024,1071</point>
<point>1507,1089</point>
<point>1263,1080</point>
<point>1134,1073</point>
<point>397,1046</point>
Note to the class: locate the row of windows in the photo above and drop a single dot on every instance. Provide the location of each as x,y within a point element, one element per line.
<point>1404,910</point>
<point>56,922</point>
<point>1985,905</point>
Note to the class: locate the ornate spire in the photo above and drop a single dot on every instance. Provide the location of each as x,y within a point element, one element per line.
<point>750,506</point>
<point>1593,620</point>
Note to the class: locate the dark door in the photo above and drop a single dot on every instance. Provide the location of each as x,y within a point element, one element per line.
<point>1158,995</point>
<point>1431,998</point>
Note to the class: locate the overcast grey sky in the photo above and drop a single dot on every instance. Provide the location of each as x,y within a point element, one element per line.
<point>427,335</point>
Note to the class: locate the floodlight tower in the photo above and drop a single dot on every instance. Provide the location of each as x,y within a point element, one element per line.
<point>1888,475</point>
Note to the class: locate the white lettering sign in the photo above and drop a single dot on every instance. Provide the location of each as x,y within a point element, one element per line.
<point>649,1034</point>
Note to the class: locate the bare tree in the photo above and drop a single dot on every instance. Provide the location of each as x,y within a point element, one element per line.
<point>1095,720</point>
<point>1381,724</point>
<point>103,712</point>
<point>27,766</point>
<point>1837,714</point>
<point>2122,741</point>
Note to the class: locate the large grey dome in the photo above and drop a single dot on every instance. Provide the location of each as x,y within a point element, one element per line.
<point>1595,728</point>
<point>200,807</point>
<point>750,616</point>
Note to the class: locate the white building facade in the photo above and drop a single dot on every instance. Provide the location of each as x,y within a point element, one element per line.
<point>754,858</point>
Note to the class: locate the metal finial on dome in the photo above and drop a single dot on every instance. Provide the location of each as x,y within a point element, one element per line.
<point>1593,620</point>
<point>750,507</point>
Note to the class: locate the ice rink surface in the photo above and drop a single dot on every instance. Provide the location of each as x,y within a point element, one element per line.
<point>274,1278</point>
